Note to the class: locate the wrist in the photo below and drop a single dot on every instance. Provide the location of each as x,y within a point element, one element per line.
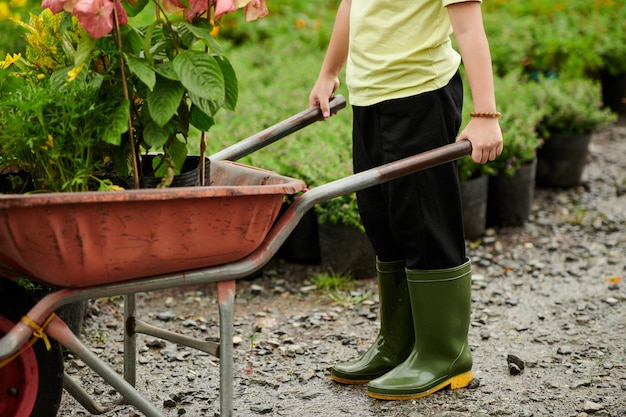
<point>486,114</point>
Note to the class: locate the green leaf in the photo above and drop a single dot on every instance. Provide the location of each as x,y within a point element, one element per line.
<point>209,107</point>
<point>166,69</point>
<point>230,82</point>
<point>164,100</point>
<point>118,124</point>
<point>155,136</point>
<point>134,8</point>
<point>146,39</point>
<point>201,29</point>
<point>142,69</point>
<point>83,50</point>
<point>201,73</point>
<point>186,37</point>
<point>178,151</point>
<point>199,119</point>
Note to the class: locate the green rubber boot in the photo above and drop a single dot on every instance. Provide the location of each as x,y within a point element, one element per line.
<point>395,338</point>
<point>441,305</point>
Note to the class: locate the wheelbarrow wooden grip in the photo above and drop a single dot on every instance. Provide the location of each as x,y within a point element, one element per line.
<point>278,131</point>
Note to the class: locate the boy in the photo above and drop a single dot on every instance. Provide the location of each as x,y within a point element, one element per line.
<point>407,95</point>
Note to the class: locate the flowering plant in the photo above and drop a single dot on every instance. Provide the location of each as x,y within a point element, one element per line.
<point>157,79</point>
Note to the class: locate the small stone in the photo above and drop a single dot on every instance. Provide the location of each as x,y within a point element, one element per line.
<point>564,350</point>
<point>166,316</point>
<point>514,369</point>
<point>256,289</point>
<point>581,383</point>
<point>261,409</point>
<point>155,343</point>
<point>307,289</point>
<point>474,383</point>
<point>516,365</point>
<point>511,302</point>
<point>592,407</point>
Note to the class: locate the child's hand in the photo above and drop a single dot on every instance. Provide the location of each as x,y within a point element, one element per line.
<point>486,138</point>
<point>322,92</point>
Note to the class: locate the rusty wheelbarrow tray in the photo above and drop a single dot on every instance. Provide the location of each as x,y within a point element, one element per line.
<point>261,238</point>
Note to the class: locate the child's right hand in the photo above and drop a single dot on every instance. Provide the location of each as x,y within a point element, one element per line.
<point>321,93</point>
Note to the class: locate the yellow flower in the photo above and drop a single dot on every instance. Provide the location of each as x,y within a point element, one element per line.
<point>73,73</point>
<point>4,11</point>
<point>49,143</point>
<point>10,60</point>
<point>18,3</point>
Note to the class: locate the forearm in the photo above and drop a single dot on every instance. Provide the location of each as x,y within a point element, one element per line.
<point>337,52</point>
<point>336,56</point>
<point>484,133</point>
<point>470,35</point>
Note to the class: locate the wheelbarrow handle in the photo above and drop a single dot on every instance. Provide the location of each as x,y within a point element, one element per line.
<point>278,131</point>
<point>356,182</point>
<point>385,173</point>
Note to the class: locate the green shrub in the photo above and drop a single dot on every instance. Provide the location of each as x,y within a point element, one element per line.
<point>571,107</point>
<point>577,38</point>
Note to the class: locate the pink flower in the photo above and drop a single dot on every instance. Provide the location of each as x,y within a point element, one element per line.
<point>122,17</point>
<point>96,16</point>
<point>197,7</point>
<point>224,6</point>
<point>256,9</point>
<point>55,6</point>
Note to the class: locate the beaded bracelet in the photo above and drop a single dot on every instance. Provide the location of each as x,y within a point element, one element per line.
<point>486,115</point>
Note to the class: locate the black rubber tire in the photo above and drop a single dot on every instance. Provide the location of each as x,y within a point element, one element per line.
<point>14,303</point>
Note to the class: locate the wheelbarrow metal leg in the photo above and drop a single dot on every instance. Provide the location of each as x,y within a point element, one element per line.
<point>226,298</point>
<point>130,339</point>
<point>210,347</point>
<point>80,395</point>
<point>64,335</point>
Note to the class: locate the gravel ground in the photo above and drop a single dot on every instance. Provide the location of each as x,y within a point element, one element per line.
<point>545,295</point>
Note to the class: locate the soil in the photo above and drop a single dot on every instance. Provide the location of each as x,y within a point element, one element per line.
<point>547,331</point>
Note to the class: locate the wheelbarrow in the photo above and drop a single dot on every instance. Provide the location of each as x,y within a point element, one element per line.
<point>93,245</point>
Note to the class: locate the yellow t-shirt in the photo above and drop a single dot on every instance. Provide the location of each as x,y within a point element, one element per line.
<point>398,48</point>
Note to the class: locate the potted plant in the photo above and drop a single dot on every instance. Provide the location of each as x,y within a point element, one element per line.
<point>573,112</point>
<point>474,183</point>
<point>512,176</point>
<point>607,24</point>
<point>57,132</point>
<point>159,76</point>
<point>91,93</point>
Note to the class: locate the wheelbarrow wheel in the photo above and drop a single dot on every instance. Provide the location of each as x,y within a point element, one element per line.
<point>31,384</point>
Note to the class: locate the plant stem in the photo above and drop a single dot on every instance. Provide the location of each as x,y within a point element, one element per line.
<point>133,150</point>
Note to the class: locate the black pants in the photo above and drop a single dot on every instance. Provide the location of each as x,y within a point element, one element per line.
<point>417,217</point>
